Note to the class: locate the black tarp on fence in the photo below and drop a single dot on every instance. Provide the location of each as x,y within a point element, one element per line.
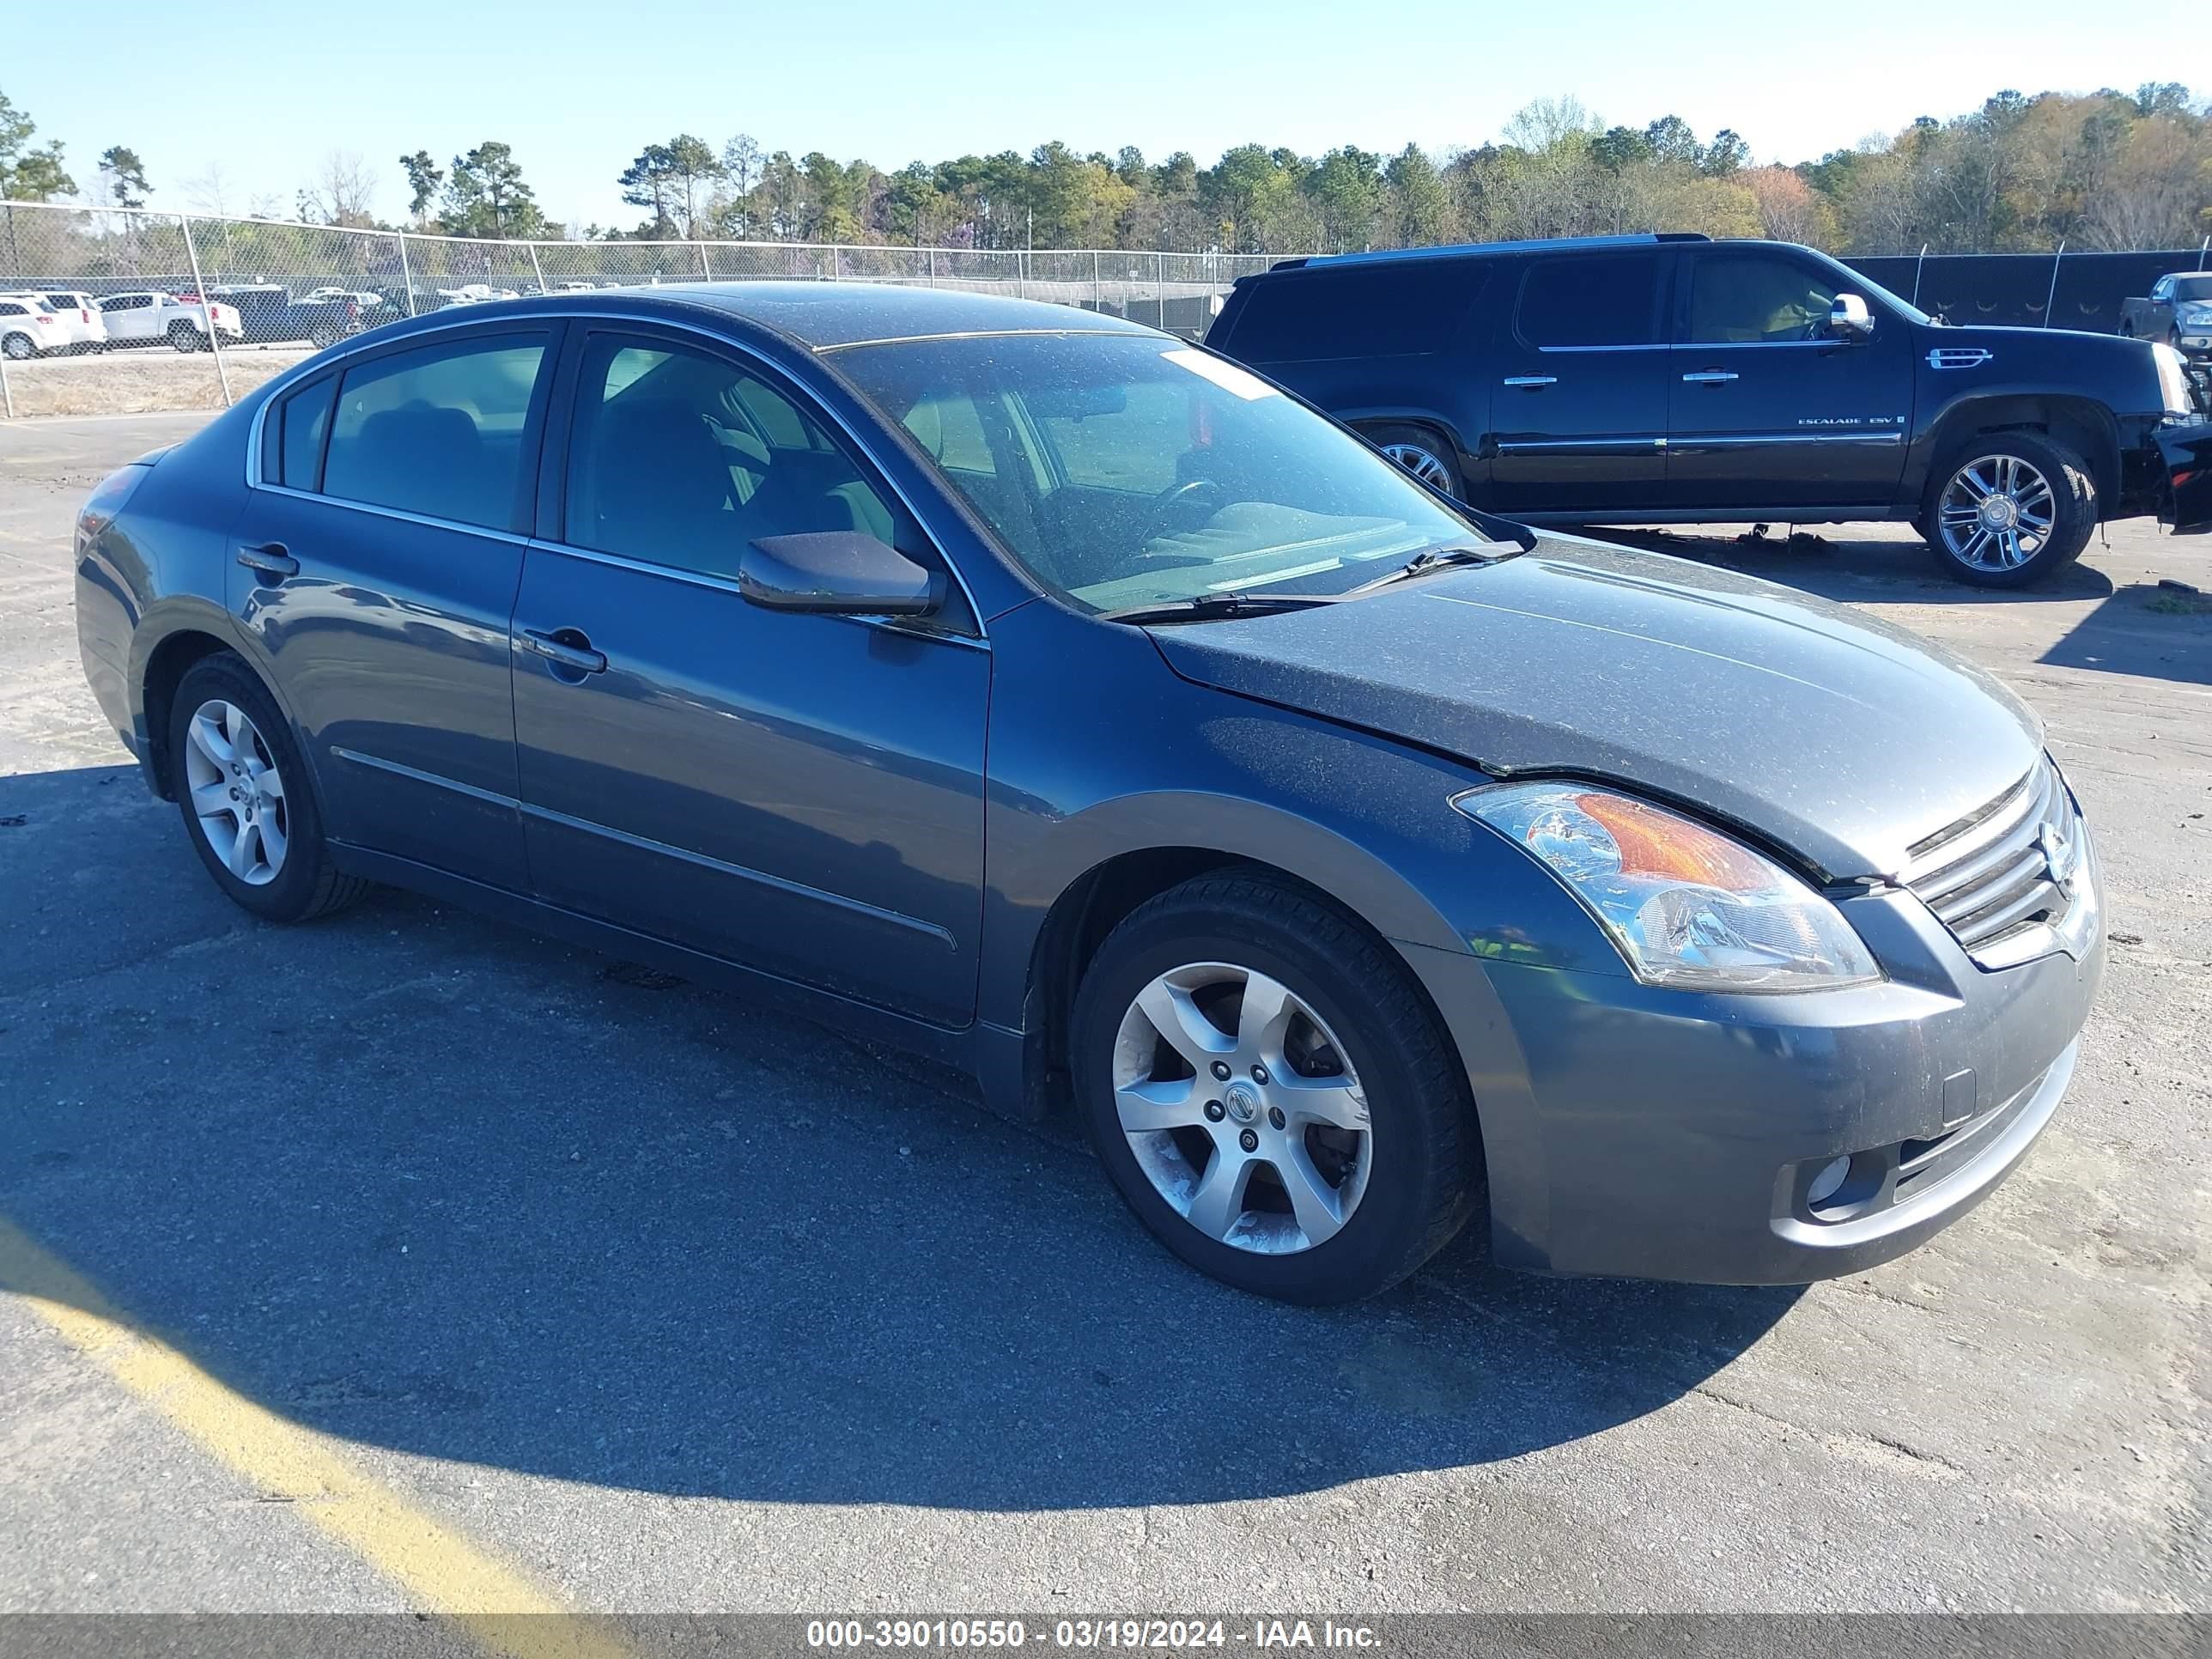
<point>2016,289</point>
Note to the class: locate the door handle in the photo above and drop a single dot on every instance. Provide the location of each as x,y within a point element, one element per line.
<point>1709,377</point>
<point>566,648</point>
<point>1532,381</point>
<point>270,559</point>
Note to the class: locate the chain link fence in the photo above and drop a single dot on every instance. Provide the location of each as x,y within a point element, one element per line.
<point>283,290</point>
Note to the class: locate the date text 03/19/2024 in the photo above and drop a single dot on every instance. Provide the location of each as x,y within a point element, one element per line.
<point>1160,1635</point>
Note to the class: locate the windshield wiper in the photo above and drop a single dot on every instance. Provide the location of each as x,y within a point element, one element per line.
<point>1216,607</point>
<point>1422,564</point>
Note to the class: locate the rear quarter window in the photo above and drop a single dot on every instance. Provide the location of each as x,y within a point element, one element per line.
<point>1379,311</point>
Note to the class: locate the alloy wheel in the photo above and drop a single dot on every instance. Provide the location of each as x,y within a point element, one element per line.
<point>1241,1108</point>
<point>237,792</point>
<point>1423,463</point>
<point>1997,513</point>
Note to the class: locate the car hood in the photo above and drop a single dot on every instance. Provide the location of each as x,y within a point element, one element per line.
<point>1820,729</point>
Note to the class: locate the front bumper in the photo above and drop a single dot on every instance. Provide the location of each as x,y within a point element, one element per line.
<point>1642,1133</point>
<point>2185,502</point>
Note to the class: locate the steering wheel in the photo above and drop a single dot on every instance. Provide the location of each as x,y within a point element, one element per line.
<point>1174,497</point>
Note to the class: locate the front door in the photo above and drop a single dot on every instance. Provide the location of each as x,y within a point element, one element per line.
<point>376,561</point>
<point>1578,415</point>
<point>801,794</point>
<point>1769,409</point>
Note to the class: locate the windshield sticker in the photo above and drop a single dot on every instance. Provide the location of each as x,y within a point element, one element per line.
<point>1227,376</point>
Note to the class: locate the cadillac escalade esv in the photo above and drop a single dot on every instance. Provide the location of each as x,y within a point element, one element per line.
<point>1671,378</point>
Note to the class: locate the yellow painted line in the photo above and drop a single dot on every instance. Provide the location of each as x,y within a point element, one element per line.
<point>441,1571</point>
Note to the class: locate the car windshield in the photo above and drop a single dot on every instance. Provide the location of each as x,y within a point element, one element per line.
<point>2193,288</point>
<point>1128,470</point>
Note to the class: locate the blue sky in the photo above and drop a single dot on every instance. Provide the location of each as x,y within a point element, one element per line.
<point>265,90</point>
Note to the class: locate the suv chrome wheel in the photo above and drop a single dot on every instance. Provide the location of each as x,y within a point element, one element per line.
<point>237,792</point>
<point>1997,513</point>
<point>1241,1108</point>
<point>1424,465</point>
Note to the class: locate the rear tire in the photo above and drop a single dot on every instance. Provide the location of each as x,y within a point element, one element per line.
<point>20,348</point>
<point>1333,1130</point>
<point>184,337</point>
<point>1421,452</point>
<point>2008,508</point>
<point>241,780</point>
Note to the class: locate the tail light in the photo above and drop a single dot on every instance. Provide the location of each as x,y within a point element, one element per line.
<point>42,318</point>
<point>107,501</point>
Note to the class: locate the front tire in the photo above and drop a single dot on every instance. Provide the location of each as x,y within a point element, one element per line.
<point>2009,508</point>
<point>248,805</point>
<point>1271,1093</point>
<point>1422,453</point>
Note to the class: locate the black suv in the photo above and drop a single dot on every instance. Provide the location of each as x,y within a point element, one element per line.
<point>1671,378</point>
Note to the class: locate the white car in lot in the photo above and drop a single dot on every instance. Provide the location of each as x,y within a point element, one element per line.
<point>149,317</point>
<point>28,327</point>
<point>79,314</point>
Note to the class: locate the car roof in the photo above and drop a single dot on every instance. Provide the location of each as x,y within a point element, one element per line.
<point>816,316</point>
<point>1485,250</point>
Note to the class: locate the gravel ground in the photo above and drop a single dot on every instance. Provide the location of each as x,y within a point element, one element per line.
<point>674,1306</point>
<point>141,379</point>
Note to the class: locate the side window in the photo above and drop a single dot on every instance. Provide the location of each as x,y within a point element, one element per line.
<point>1401,308</point>
<point>292,435</point>
<point>10,308</point>
<point>1117,448</point>
<point>1591,300</point>
<point>681,459</point>
<point>437,430</point>
<point>2163,289</point>
<point>1756,299</point>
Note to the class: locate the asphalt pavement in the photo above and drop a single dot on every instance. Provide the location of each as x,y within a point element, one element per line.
<point>341,1262</point>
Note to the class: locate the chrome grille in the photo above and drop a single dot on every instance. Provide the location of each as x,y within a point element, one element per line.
<point>2003,879</point>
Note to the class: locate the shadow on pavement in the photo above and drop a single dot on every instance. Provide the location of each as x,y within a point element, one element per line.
<point>429,1184</point>
<point>1831,563</point>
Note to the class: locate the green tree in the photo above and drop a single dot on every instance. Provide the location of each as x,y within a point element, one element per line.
<point>126,175</point>
<point>673,179</point>
<point>485,195</point>
<point>1345,189</point>
<point>28,174</point>
<point>424,177</point>
<point>1726,156</point>
<point>1420,203</point>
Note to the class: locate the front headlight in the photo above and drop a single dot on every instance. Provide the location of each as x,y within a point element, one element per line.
<point>2193,316</point>
<point>2172,380</point>
<point>1686,906</point>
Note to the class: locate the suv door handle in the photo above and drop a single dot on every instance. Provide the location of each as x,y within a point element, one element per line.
<point>565,648</point>
<point>1709,377</point>
<point>270,559</point>
<point>1532,381</point>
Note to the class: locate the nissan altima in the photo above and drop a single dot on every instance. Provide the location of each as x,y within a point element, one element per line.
<point>1051,696</point>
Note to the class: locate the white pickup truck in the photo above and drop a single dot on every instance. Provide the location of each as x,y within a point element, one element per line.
<point>149,317</point>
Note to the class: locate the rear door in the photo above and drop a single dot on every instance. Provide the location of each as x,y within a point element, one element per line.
<point>1579,410</point>
<point>1769,409</point>
<point>800,794</point>
<point>377,563</point>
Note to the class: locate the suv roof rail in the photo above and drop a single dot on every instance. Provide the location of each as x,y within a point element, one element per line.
<point>1463,250</point>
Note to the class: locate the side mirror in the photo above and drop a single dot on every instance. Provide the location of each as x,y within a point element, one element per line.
<point>1851,320</point>
<point>836,573</point>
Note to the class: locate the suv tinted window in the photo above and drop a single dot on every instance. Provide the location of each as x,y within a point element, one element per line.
<point>10,308</point>
<point>681,459</point>
<point>1355,310</point>
<point>437,430</point>
<point>1591,300</point>
<point>1736,299</point>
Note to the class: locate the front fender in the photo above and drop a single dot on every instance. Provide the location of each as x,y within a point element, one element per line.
<point>1135,759</point>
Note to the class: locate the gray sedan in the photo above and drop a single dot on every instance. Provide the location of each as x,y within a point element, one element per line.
<point>1046,695</point>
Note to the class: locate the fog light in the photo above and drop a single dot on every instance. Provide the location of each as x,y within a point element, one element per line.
<point>1828,1181</point>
